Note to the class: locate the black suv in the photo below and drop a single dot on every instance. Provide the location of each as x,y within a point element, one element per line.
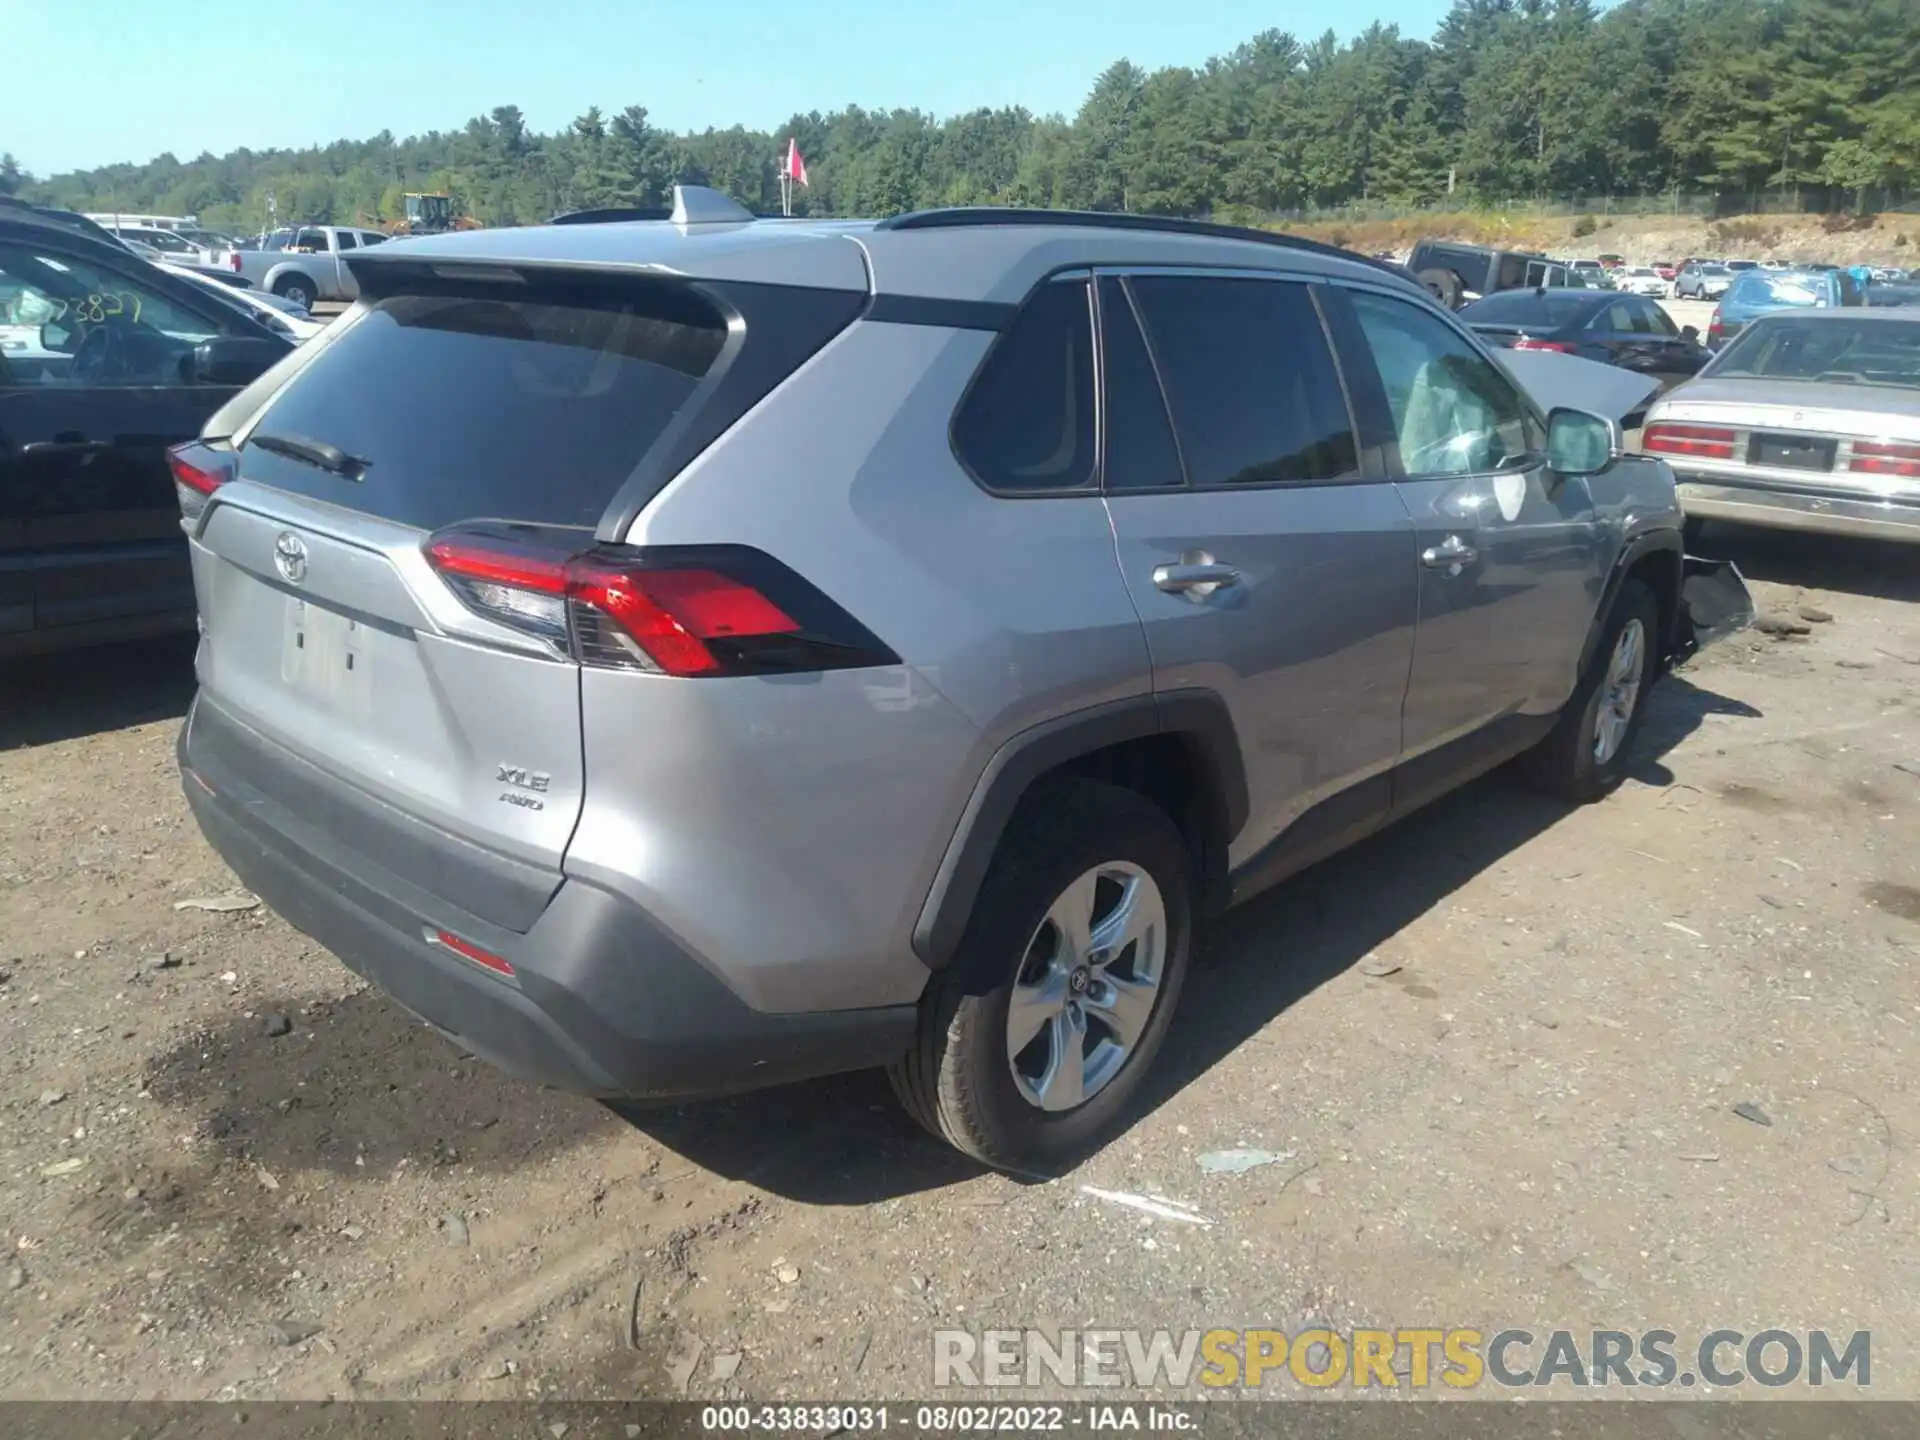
<point>1455,273</point>
<point>105,361</point>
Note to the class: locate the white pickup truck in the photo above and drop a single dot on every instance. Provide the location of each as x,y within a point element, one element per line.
<point>305,264</point>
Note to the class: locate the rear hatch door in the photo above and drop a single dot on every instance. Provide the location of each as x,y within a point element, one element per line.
<point>331,643</point>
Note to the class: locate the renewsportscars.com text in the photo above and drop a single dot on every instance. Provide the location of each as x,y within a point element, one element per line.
<point>1412,1358</point>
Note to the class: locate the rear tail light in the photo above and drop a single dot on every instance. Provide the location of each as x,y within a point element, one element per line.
<point>198,470</point>
<point>1704,442</point>
<point>698,610</point>
<point>233,260</point>
<point>1527,342</point>
<point>1872,458</point>
<point>1716,327</point>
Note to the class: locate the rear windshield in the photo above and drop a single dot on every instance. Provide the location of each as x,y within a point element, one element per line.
<point>1522,307</point>
<point>1864,352</point>
<point>534,407</point>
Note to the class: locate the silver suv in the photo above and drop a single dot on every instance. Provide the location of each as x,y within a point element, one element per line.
<point>682,656</point>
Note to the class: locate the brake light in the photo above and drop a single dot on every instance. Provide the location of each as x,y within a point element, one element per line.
<point>1870,458</point>
<point>466,950</point>
<point>198,470</point>
<point>233,260</point>
<point>1705,442</point>
<point>707,610</point>
<point>1716,327</point>
<point>1527,342</point>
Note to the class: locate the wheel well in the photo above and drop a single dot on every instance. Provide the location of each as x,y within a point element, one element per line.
<point>1659,571</point>
<point>1171,770</point>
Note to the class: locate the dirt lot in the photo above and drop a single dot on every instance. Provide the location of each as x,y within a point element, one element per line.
<point>229,1169</point>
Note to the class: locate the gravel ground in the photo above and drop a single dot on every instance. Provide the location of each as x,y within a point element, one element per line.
<point>1499,1049</point>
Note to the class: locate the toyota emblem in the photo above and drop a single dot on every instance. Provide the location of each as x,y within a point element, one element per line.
<point>290,557</point>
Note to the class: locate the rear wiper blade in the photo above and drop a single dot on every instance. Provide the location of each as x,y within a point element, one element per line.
<point>313,452</point>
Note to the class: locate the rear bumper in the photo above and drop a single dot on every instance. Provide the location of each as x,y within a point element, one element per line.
<point>1785,509</point>
<point>602,1000</point>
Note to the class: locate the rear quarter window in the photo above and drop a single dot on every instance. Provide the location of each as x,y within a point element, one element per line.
<point>1026,423</point>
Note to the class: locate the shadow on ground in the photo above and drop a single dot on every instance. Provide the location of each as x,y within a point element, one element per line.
<point>1882,569</point>
<point>357,1080</point>
<point>843,1142</point>
<point>85,692</point>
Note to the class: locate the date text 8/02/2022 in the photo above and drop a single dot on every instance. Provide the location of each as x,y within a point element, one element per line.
<point>1415,1358</point>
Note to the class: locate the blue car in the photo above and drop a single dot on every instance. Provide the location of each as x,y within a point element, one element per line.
<point>1760,292</point>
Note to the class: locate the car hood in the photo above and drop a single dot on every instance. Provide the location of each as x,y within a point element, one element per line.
<point>1555,380</point>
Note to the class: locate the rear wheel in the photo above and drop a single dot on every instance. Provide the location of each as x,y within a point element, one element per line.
<point>1586,754</point>
<point>296,288</point>
<point>1034,1040</point>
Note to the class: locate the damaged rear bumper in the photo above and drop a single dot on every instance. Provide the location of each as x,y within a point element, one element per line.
<point>1714,603</point>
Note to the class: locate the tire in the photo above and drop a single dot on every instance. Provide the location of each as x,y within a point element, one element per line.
<point>297,288</point>
<point>1444,286</point>
<point>1569,762</point>
<point>959,1078</point>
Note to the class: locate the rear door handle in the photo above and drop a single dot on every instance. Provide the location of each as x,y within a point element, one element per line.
<point>1451,555</point>
<point>1196,576</point>
<point>65,447</point>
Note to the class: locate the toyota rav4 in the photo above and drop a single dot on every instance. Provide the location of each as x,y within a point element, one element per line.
<point>674,657</point>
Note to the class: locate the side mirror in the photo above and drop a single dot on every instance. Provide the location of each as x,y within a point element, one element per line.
<point>1581,443</point>
<point>56,338</point>
<point>234,359</point>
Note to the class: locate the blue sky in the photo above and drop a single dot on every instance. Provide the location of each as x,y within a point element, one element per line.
<point>89,82</point>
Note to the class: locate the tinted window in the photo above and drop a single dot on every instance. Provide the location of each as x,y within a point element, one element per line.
<point>1513,271</point>
<point>1454,412</point>
<point>536,407</point>
<point>368,238</point>
<point>314,240</point>
<point>1658,321</point>
<point>1255,395</point>
<point>1517,307</point>
<point>1140,452</point>
<point>344,239</point>
<point>1027,421</point>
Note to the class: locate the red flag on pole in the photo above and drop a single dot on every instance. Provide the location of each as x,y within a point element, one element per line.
<point>796,167</point>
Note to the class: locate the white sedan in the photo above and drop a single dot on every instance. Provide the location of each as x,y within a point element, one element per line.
<point>289,319</point>
<point>1641,280</point>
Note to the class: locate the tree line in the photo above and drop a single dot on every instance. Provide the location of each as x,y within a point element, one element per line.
<point>1510,99</point>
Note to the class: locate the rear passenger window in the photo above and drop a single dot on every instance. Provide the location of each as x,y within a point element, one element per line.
<point>1140,452</point>
<point>344,239</point>
<point>1255,396</point>
<point>1027,421</point>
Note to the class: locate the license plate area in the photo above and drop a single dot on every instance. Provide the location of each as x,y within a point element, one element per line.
<point>1791,452</point>
<point>324,655</point>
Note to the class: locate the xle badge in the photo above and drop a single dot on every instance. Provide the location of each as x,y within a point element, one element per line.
<point>523,780</point>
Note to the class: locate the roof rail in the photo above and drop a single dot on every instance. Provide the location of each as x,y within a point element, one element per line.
<point>961,217</point>
<point>610,214</point>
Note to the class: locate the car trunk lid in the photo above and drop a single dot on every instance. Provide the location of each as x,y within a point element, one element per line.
<point>329,635</point>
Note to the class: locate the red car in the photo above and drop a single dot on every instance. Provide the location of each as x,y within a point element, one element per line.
<point>1665,269</point>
